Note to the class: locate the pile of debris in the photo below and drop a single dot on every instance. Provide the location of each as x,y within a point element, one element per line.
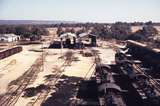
<point>32,91</point>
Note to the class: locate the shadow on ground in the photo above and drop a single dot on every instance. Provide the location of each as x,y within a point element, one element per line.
<point>66,89</point>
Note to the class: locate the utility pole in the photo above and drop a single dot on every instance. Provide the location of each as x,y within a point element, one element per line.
<point>61,46</point>
<point>42,57</point>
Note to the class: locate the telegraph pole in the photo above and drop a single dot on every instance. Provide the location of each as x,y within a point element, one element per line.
<point>42,57</point>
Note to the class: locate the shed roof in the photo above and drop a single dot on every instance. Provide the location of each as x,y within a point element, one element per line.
<point>85,34</point>
<point>67,35</point>
<point>8,35</point>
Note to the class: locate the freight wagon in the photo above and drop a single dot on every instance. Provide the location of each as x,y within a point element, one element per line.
<point>149,55</point>
<point>9,52</point>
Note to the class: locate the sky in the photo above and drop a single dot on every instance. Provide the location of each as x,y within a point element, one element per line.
<point>81,10</point>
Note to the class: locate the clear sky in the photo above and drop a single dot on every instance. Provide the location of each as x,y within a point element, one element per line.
<point>81,10</point>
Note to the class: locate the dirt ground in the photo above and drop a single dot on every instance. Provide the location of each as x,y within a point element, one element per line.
<point>136,28</point>
<point>82,68</point>
<point>14,66</point>
<point>63,90</point>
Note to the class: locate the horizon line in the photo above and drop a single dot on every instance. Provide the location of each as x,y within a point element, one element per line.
<point>77,21</point>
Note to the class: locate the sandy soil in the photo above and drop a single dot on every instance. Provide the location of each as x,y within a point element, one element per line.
<point>82,68</point>
<point>14,66</point>
<point>107,55</point>
<point>158,28</point>
<point>51,61</point>
<point>136,28</point>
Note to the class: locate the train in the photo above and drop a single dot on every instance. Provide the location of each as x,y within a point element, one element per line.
<point>151,56</point>
<point>110,93</point>
<point>9,52</point>
<point>127,83</point>
<point>143,85</point>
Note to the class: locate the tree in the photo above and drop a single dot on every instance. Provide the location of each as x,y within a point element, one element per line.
<point>101,30</point>
<point>72,30</point>
<point>121,30</point>
<point>23,31</point>
<point>138,35</point>
<point>3,29</point>
<point>149,30</point>
<point>60,31</point>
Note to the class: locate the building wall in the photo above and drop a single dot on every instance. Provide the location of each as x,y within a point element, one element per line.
<point>9,38</point>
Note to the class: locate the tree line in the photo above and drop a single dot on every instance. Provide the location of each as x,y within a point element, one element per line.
<point>25,31</point>
<point>118,30</point>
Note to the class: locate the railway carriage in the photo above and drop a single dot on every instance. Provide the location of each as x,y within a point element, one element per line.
<point>9,52</point>
<point>149,55</point>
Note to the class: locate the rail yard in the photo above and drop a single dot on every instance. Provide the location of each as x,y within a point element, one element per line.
<point>71,71</point>
<point>79,53</point>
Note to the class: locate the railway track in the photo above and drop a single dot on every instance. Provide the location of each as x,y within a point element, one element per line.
<point>96,61</point>
<point>11,97</point>
<point>138,69</point>
<point>153,81</point>
<point>42,96</point>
